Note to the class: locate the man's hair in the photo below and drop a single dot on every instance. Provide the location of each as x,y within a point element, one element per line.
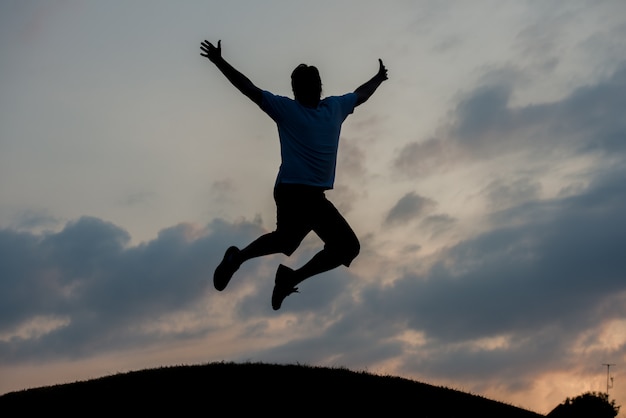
<point>306,83</point>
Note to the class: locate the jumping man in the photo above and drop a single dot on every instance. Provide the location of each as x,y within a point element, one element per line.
<point>308,130</point>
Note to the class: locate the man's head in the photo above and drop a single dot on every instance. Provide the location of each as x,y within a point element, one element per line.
<point>306,84</point>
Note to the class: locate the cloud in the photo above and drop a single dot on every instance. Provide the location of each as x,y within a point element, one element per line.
<point>32,219</point>
<point>421,158</point>
<point>83,290</point>
<point>222,189</point>
<point>409,207</point>
<point>140,198</point>
<point>558,265</point>
<point>502,193</point>
<point>503,306</point>
<point>344,197</point>
<point>437,224</point>
<point>539,42</point>
<point>351,160</point>
<point>524,294</point>
<point>484,126</point>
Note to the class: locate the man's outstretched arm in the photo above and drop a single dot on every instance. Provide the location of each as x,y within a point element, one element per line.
<point>243,84</point>
<point>366,90</point>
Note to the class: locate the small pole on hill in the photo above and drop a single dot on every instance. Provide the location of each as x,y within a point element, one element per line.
<point>608,377</point>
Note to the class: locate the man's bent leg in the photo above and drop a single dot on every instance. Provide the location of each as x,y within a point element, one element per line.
<point>325,260</point>
<point>264,245</point>
<point>234,258</point>
<point>270,243</point>
<point>321,262</point>
<point>341,244</point>
<point>291,229</point>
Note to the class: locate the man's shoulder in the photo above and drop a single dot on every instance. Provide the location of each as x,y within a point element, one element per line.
<point>342,97</point>
<point>269,99</point>
<point>346,102</point>
<point>348,99</point>
<point>271,96</point>
<point>274,104</point>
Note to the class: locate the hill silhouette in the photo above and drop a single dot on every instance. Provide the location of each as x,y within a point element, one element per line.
<point>257,388</point>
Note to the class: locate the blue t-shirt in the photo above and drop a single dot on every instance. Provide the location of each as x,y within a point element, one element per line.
<point>309,137</point>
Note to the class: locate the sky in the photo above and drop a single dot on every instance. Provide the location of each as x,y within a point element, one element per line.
<point>485,180</point>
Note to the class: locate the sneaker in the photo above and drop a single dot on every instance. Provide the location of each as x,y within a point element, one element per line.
<point>229,265</point>
<point>283,286</point>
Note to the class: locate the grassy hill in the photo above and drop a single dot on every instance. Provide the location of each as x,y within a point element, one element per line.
<point>254,388</point>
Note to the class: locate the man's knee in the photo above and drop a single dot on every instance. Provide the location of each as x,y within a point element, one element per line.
<point>288,245</point>
<point>352,251</point>
<point>345,251</point>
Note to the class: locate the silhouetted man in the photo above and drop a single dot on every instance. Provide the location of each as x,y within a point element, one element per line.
<point>308,129</point>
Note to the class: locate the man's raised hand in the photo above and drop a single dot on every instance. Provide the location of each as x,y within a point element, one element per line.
<point>382,70</point>
<point>210,51</point>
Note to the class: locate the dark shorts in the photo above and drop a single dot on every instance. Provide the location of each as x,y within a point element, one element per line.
<point>302,209</point>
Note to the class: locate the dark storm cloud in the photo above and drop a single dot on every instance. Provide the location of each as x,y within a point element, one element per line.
<point>106,290</point>
<point>410,206</point>
<point>484,124</point>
